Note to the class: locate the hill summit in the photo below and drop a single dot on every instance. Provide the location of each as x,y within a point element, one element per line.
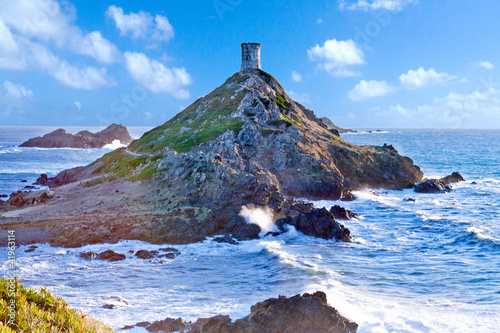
<point>247,143</point>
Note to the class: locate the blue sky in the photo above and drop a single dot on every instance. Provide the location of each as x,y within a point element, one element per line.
<point>363,63</point>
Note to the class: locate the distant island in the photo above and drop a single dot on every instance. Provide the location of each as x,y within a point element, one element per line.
<point>84,139</point>
<point>331,126</point>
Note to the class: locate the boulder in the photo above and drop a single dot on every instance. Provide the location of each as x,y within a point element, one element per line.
<point>432,186</point>
<point>225,239</point>
<point>88,255</point>
<point>453,178</point>
<point>110,255</point>
<point>341,213</point>
<point>317,223</point>
<point>246,231</point>
<point>167,325</point>
<point>144,254</point>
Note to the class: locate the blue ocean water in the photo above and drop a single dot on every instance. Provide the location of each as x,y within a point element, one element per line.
<point>20,163</point>
<point>429,265</point>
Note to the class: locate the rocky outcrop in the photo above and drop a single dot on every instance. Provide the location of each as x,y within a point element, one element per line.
<point>432,186</point>
<point>438,185</point>
<point>300,313</point>
<point>21,199</point>
<point>318,223</point>
<point>455,177</point>
<point>340,213</point>
<point>84,139</point>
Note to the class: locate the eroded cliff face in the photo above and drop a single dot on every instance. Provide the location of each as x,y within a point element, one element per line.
<point>245,143</point>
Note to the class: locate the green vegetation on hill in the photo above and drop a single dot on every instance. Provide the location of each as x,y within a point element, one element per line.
<point>199,123</point>
<point>40,311</point>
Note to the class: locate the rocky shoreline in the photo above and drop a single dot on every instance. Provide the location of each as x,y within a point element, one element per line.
<point>300,313</point>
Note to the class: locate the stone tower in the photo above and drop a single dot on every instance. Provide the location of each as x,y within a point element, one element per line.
<point>250,56</point>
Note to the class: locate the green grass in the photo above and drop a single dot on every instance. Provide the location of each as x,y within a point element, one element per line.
<point>119,162</point>
<point>40,311</point>
<point>146,174</point>
<point>281,101</point>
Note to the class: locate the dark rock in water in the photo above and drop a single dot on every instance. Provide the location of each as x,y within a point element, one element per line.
<point>144,254</point>
<point>341,213</point>
<point>4,196</point>
<point>432,186</point>
<point>306,313</point>
<point>29,187</point>
<point>84,139</point>
<point>108,306</point>
<point>24,181</point>
<point>246,231</point>
<point>33,247</point>
<point>143,324</point>
<point>30,250</point>
<point>225,239</point>
<point>110,255</point>
<point>348,197</point>
<point>88,255</point>
<point>318,223</point>
<point>474,183</point>
<point>170,249</point>
<point>167,256</point>
<point>410,200</point>
<point>127,327</point>
<point>453,178</point>
<point>167,325</point>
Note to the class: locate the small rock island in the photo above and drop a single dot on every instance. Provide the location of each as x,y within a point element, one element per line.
<point>84,139</point>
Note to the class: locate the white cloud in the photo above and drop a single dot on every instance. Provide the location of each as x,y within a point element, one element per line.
<point>421,78</point>
<point>369,89</point>
<point>156,77</point>
<point>301,98</point>
<point>336,56</point>
<point>135,24</point>
<point>78,105</point>
<point>16,90</point>
<point>485,64</point>
<point>296,76</point>
<point>394,5</point>
<point>22,54</point>
<point>164,30</point>
<point>51,21</point>
<point>475,109</point>
<point>99,48</point>
<point>141,24</point>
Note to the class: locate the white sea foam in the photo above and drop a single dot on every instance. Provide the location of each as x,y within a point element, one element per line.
<point>262,216</point>
<point>114,145</point>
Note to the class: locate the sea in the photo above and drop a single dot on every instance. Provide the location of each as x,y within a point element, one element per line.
<point>428,264</point>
